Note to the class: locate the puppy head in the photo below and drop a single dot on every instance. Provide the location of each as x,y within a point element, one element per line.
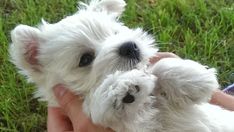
<point>80,50</point>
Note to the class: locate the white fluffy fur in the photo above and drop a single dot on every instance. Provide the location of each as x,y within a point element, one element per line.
<point>181,87</point>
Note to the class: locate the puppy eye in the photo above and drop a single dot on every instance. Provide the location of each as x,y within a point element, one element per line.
<point>86,59</point>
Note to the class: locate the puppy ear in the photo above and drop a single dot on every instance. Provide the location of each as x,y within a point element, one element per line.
<point>113,7</point>
<point>24,47</point>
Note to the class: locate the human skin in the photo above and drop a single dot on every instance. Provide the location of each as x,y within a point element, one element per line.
<point>70,117</point>
<point>222,99</point>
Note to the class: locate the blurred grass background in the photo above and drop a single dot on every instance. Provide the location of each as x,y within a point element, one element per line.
<point>202,30</point>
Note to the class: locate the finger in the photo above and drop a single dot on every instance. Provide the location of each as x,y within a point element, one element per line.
<point>161,55</point>
<point>72,106</point>
<point>70,103</point>
<point>57,121</point>
<point>167,55</point>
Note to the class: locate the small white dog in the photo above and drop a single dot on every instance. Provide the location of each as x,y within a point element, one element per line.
<point>97,56</point>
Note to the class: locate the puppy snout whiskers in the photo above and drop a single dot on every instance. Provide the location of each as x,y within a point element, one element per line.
<point>129,50</point>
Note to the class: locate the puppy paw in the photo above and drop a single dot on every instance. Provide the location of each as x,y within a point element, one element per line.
<point>185,81</point>
<point>125,92</point>
<point>121,95</point>
<point>131,89</point>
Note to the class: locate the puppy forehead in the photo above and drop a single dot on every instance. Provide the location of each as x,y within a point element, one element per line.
<point>86,28</point>
<point>94,22</point>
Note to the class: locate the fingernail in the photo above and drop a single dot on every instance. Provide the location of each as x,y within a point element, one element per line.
<point>59,90</point>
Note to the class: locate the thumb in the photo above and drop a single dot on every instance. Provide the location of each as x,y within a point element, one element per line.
<point>70,103</point>
<point>72,106</point>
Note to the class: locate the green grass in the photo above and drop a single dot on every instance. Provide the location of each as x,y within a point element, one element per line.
<point>202,30</point>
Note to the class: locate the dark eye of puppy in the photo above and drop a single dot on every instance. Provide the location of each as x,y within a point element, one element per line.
<point>86,59</point>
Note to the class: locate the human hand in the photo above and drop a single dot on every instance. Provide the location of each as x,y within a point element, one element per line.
<point>222,99</point>
<point>69,116</point>
<point>161,55</point>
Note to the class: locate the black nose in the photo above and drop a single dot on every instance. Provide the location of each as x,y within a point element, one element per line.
<point>128,99</point>
<point>129,50</point>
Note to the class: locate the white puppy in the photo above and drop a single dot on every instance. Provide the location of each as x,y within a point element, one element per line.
<point>81,51</point>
